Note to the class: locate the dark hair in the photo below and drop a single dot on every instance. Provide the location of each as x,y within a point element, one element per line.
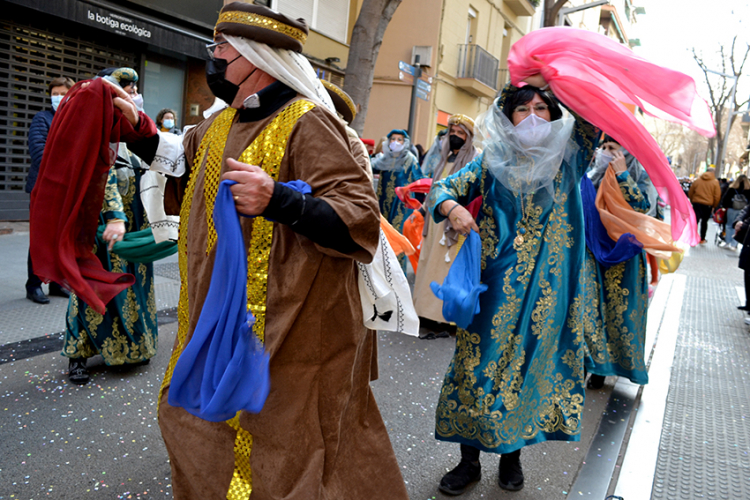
<point>608,138</point>
<point>420,149</point>
<point>523,95</point>
<point>60,81</point>
<point>160,116</point>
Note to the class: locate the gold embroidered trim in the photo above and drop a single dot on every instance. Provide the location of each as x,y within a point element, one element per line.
<point>347,100</point>
<point>258,21</point>
<point>266,150</point>
<point>219,129</point>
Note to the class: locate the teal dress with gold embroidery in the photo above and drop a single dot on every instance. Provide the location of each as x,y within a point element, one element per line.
<point>617,303</point>
<point>391,207</point>
<point>516,377</point>
<point>127,332</point>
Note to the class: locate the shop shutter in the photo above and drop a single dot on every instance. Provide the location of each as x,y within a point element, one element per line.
<point>29,58</point>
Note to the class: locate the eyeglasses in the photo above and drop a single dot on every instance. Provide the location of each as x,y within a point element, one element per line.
<point>525,110</point>
<point>210,47</point>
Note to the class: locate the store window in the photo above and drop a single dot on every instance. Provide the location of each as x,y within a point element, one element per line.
<point>163,87</point>
<point>329,17</point>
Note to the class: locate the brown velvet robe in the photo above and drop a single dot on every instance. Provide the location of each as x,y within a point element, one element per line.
<point>320,434</point>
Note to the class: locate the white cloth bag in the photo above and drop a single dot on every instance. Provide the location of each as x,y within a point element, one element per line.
<point>385,295</point>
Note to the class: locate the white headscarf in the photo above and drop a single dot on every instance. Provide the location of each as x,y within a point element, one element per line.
<point>289,67</point>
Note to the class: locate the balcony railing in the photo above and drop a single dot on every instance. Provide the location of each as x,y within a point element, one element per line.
<point>475,62</point>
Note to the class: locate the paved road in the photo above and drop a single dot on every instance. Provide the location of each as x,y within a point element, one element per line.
<point>102,440</point>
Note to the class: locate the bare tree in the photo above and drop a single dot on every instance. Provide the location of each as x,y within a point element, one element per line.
<point>367,37</point>
<point>732,63</point>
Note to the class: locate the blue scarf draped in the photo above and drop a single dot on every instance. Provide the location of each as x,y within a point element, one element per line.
<point>606,251</point>
<point>461,288</point>
<point>224,368</point>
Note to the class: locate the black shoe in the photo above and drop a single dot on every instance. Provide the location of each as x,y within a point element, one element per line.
<point>37,295</point>
<point>58,291</point>
<point>743,308</point>
<point>77,371</point>
<point>510,475</point>
<point>595,382</point>
<point>459,479</point>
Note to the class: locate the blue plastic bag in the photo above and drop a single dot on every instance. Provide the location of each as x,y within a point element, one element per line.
<point>461,288</point>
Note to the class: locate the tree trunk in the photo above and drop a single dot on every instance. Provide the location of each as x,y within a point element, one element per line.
<point>551,10</point>
<point>367,37</point>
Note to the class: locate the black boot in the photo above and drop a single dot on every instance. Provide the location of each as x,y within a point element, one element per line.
<point>77,371</point>
<point>58,291</point>
<point>510,475</point>
<point>595,382</point>
<point>466,473</point>
<point>37,295</point>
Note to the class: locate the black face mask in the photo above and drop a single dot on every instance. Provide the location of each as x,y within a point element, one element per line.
<point>455,142</point>
<point>216,79</point>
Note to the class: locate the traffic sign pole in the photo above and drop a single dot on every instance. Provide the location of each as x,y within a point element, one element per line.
<point>417,72</point>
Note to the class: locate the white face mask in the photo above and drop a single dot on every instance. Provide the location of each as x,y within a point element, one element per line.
<point>532,131</point>
<point>396,146</point>
<point>168,123</point>
<point>56,100</point>
<point>138,100</point>
<point>602,159</point>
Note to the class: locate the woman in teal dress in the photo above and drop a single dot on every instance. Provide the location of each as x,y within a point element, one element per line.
<point>617,296</point>
<point>127,333</point>
<point>397,167</point>
<point>516,377</point>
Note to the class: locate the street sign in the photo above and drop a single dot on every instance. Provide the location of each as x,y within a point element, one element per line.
<point>405,78</point>
<point>424,86</point>
<point>423,95</point>
<point>406,68</point>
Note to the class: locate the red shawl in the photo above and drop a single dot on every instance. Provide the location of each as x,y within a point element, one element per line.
<point>68,196</point>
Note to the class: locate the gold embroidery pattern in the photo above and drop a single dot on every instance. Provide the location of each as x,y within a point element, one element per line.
<point>258,21</point>
<point>216,136</point>
<point>211,176</point>
<point>266,150</point>
<point>553,406</point>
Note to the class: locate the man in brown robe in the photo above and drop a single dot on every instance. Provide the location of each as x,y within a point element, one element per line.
<point>320,434</point>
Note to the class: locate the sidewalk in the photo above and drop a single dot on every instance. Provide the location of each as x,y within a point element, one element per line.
<point>21,319</point>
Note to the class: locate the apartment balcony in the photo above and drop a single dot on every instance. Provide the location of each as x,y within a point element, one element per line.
<point>477,71</point>
<point>521,7</point>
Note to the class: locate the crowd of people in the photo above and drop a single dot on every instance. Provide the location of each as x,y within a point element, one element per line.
<point>544,189</point>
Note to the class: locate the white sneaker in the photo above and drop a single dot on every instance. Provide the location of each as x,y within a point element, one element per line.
<point>747,321</point>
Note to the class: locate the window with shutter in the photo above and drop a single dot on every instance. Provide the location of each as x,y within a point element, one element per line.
<point>329,17</point>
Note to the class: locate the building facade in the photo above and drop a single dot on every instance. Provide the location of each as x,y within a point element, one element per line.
<point>163,39</point>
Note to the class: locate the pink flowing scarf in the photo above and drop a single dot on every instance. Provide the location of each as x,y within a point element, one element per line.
<point>594,75</point>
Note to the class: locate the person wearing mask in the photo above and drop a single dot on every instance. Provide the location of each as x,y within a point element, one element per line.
<point>516,377</point>
<point>38,132</point>
<point>126,334</point>
<point>734,200</point>
<point>705,195</point>
<point>397,167</point>
<point>319,434</point>
<point>439,244</point>
<point>166,121</point>
<point>615,331</point>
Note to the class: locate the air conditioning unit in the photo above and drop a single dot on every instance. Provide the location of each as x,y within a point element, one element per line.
<point>425,55</point>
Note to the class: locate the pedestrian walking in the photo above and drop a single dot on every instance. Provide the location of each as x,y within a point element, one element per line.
<point>397,167</point>
<point>320,434</point>
<point>741,224</point>
<point>734,200</point>
<point>617,294</point>
<point>166,121</point>
<point>38,132</point>
<point>705,194</point>
<point>439,243</point>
